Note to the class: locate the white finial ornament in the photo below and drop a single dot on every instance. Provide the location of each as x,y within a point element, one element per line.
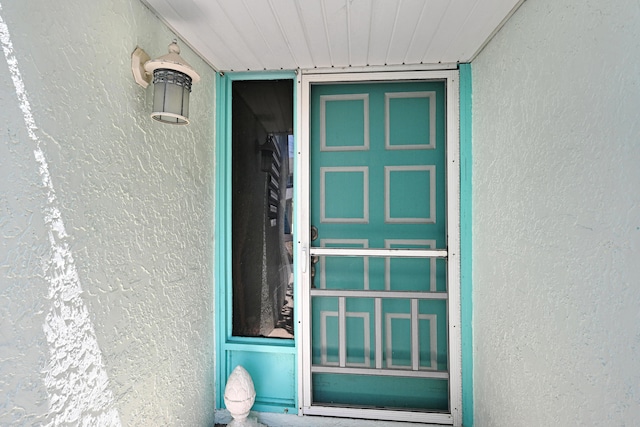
<point>239,396</point>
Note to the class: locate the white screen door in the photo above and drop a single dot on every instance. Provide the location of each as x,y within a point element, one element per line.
<point>378,243</point>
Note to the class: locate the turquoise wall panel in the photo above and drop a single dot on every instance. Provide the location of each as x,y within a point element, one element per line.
<point>273,377</point>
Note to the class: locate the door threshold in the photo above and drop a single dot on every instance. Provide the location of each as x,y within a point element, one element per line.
<point>292,420</point>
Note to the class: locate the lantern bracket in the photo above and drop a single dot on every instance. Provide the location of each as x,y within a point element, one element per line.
<point>138,58</point>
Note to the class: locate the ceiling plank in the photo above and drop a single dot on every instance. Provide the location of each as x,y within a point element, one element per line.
<point>219,23</point>
<point>335,20</point>
<point>383,20</point>
<point>242,21</point>
<point>313,24</point>
<point>427,26</point>
<point>360,28</point>
<point>293,33</point>
<point>406,23</point>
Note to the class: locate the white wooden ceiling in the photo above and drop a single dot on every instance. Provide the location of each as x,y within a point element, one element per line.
<point>288,34</point>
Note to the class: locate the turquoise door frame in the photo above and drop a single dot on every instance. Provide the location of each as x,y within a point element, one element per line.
<point>225,343</point>
<point>272,362</point>
<point>466,236</point>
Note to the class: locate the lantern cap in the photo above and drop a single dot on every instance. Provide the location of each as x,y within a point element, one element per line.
<point>172,61</point>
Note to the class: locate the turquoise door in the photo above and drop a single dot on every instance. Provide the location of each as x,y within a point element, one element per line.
<point>378,298</point>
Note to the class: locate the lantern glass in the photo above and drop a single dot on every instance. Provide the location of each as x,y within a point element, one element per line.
<point>171,96</point>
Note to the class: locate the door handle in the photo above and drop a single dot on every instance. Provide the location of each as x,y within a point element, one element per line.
<point>304,260</point>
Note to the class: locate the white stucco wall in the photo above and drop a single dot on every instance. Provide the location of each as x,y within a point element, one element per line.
<point>556,178</point>
<point>112,322</point>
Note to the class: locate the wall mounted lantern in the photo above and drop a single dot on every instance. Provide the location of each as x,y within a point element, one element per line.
<point>269,151</point>
<point>172,78</point>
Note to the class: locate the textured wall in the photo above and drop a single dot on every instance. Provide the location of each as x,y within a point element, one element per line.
<point>557,217</point>
<point>106,225</point>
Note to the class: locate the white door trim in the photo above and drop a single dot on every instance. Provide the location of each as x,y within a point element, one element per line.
<point>303,244</point>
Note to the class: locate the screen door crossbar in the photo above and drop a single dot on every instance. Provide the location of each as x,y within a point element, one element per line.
<point>442,375</point>
<point>378,294</point>
<point>372,252</point>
